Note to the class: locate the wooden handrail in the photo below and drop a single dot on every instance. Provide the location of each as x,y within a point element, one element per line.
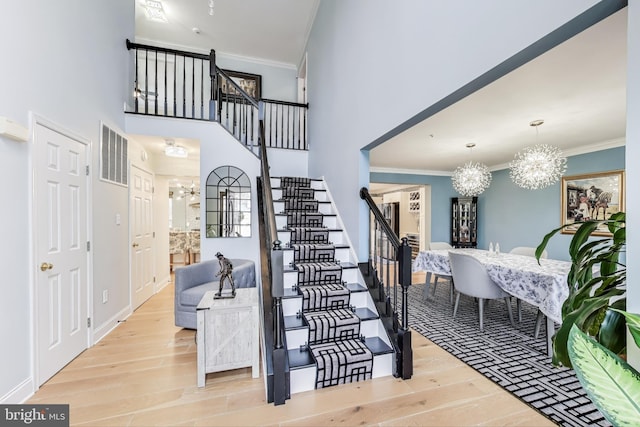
<point>132,45</point>
<point>391,235</point>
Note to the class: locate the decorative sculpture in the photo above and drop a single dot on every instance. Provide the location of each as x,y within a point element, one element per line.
<point>226,268</point>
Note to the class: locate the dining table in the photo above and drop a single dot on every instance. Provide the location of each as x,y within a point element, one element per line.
<point>542,284</point>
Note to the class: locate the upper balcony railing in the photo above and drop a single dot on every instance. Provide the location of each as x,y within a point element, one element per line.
<point>173,83</point>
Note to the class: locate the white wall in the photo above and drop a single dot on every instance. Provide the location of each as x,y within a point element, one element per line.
<point>373,64</point>
<point>632,170</point>
<point>69,68</point>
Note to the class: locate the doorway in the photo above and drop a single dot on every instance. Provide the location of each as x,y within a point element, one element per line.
<point>141,236</point>
<point>61,212</point>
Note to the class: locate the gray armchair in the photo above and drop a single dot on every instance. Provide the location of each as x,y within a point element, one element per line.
<point>194,280</point>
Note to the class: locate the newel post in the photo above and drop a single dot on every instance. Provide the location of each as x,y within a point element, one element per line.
<point>279,352</point>
<point>405,362</point>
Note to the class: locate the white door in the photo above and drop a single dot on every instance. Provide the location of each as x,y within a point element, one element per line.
<point>60,214</point>
<point>141,219</point>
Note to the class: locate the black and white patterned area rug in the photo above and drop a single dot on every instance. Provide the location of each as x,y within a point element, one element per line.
<point>509,356</point>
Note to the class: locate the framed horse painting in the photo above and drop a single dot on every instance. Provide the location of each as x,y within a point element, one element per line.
<point>594,196</point>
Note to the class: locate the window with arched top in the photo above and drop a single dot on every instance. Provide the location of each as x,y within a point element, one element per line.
<point>228,198</point>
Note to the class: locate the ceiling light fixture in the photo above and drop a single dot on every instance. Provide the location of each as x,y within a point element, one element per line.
<point>538,166</point>
<point>472,178</point>
<point>154,11</point>
<point>173,150</point>
<point>211,11</point>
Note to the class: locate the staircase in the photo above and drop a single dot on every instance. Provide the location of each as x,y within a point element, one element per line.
<point>334,334</point>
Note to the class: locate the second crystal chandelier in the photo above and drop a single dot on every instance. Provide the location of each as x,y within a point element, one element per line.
<point>538,166</point>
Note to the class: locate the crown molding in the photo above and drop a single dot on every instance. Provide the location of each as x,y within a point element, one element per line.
<point>585,149</point>
<point>409,171</point>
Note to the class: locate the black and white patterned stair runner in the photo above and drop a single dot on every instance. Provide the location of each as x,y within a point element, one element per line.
<point>335,343</point>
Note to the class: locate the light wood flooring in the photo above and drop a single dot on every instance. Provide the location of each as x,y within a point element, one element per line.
<point>144,374</point>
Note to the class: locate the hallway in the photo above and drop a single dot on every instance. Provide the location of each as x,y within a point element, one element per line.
<point>144,373</point>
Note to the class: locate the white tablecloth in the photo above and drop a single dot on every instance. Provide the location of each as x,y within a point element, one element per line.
<point>544,285</point>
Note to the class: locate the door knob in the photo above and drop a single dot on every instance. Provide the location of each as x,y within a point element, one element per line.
<point>46,266</point>
<point>135,245</point>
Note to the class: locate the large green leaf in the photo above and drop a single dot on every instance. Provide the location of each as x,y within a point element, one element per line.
<point>611,383</point>
<point>633,322</point>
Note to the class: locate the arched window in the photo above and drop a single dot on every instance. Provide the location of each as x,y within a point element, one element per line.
<point>228,197</point>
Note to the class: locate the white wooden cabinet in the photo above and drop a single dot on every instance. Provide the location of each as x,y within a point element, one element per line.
<point>228,333</point>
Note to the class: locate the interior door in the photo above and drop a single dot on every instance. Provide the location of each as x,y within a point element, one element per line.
<point>60,214</point>
<point>141,220</point>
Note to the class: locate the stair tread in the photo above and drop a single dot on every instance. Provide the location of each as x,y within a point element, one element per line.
<point>344,265</point>
<point>366,314</point>
<point>352,287</point>
<point>356,287</point>
<point>377,346</point>
<point>299,359</point>
<point>307,212</point>
<point>335,245</point>
<point>294,322</point>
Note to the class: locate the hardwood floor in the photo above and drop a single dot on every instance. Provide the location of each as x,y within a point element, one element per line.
<point>144,374</point>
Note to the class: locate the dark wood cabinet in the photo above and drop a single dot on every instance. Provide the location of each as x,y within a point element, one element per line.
<point>464,222</point>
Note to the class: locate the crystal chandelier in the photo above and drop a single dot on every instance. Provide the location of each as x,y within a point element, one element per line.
<point>538,166</point>
<point>472,178</point>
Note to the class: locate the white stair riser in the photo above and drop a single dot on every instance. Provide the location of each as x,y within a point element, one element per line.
<point>329,221</point>
<point>368,329</point>
<point>382,365</point>
<point>335,237</point>
<point>315,184</point>
<point>302,379</point>
<point>324,208</point>
<point>297,337</point>
<point>305,379</point>
<point>320,196</point>
<point>349,275</point>
<point>291,306</point>
<point>342,255</point>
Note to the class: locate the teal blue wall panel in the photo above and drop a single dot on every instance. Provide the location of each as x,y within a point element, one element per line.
<point>508,214</point>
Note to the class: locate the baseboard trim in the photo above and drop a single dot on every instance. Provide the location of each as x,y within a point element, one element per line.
<point>20,393</point>
<point>163,283</point>
<point>108,326</point>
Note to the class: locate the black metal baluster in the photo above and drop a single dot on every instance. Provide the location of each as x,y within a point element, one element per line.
<point>146,82</point>
<point>184,86</point>
<point>304,133</point>
<point>193,88</point>
<point>277,142</point>
<point>155,83</point>
<point>136,89</point>
<point>165,84</point>
<point>288,122</point>
<point>175,80</point>
<point>201,89</point>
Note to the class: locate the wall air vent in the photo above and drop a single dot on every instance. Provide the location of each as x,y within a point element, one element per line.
<point>113,157</point>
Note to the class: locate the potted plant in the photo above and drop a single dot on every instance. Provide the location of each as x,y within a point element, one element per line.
<point>592,336</point>
<point>610,382</point>
<point>597,281</point>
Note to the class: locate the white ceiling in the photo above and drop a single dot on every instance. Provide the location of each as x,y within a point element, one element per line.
<point>578,88</point>
<point>273,30</point>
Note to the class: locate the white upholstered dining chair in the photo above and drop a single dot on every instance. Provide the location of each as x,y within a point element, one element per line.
<point>437,246</point>
<point>528,251</point>
<point>471,278</point>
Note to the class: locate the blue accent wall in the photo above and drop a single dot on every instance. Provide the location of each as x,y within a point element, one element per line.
<point>508,214</point>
